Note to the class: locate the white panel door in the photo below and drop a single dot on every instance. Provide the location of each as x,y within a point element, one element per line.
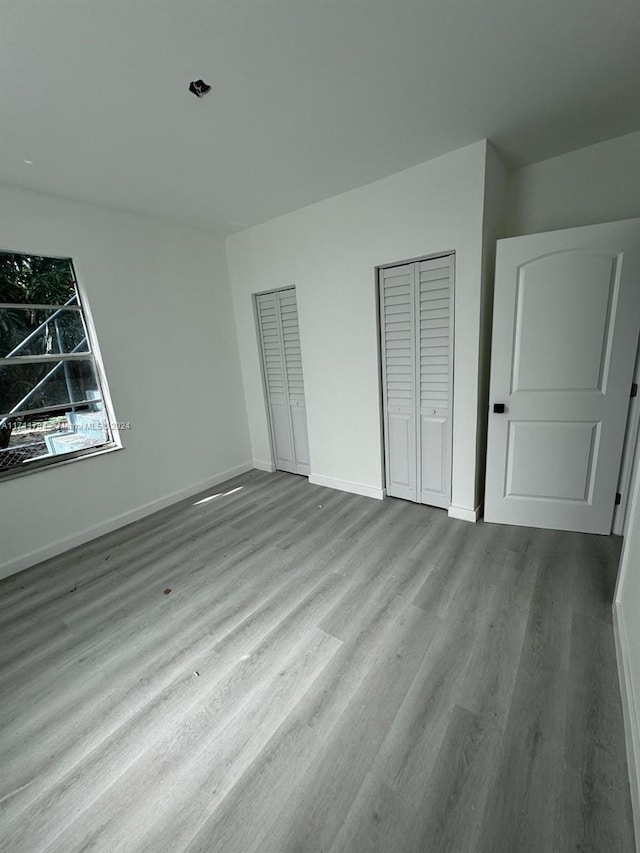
<point>415,318</point>
<point>282,370</point>
<point>565,332</point>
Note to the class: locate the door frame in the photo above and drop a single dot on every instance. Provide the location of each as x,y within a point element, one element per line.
<point>263,377</point>
<point>384,443</point>
<point>628,464</point>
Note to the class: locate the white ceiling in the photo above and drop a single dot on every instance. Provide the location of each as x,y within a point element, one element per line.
<point>310,97</point>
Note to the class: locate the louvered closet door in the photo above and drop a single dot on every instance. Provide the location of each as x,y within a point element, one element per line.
<point>282,370</point>
<point>397,319</point>
<point>294,380</point>
<point>415,312</point>
<point>434,297</point>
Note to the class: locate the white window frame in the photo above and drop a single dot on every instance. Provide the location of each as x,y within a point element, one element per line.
<point>93,354</point>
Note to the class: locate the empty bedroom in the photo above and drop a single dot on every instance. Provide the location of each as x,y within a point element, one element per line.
<point>319,426</point>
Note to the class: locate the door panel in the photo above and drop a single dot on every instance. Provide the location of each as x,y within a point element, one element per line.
<point>564,453</point>
<point>294,379</point>
<point>402,460</point>
<point>434,450</point>
<point>397,319</point>
<point>565,332</point>
<point>282,443</point>
<point>548,290</point>
<point>435,372</point>
<point>277,314</point>
<point>300,441</point>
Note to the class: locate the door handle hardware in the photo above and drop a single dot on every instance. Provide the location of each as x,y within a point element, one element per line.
<point>498,408</point>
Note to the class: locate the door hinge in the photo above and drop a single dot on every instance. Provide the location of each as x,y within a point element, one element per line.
<point>634,389</point>
<point>618,498</point>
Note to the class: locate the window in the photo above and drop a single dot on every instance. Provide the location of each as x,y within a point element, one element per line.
<point>52,397</point>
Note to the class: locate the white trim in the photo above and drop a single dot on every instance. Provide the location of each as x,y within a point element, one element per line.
<point>346,486</point>
<point>630,714</point>
<point>628,695</point>
<point>62,545</point>
<point>417,260</point>
<point>103,383</point>
<point>628,464</point>
<point>465,514</point>
<point>264,466</point>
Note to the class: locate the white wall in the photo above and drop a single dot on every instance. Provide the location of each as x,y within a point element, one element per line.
<point>329,251</point>
<point>161,304</point>
<point>600,183</point>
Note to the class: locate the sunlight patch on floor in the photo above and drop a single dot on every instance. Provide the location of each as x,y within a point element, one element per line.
<point>218,495</point>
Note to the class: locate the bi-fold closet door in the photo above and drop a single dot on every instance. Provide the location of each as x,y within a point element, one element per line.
<point>416,313</point>
<point>277,315</point>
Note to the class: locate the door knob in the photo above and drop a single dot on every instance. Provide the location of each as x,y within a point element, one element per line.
<point>498,408</point>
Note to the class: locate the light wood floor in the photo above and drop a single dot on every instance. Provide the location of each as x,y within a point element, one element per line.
<point>327,673</point>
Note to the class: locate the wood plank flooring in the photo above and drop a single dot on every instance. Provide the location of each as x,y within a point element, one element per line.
<point>281,668</point>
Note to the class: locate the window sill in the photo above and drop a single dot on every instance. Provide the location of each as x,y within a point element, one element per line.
<point>57,461</point>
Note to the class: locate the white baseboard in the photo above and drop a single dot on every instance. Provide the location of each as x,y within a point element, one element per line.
<point>465,514</point>
<point>630,714</point>
<point>264,466</point>
<point>61,545</point>
<point>346,486</point>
